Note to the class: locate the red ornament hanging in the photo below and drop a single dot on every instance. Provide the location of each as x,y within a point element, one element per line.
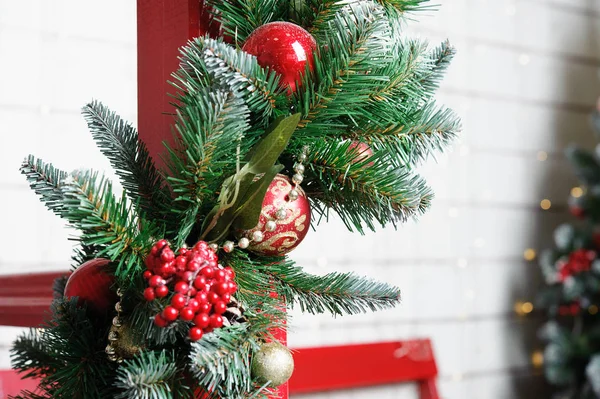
<point>91,283</point>
<point>283,221</point>
<point>284,47</point>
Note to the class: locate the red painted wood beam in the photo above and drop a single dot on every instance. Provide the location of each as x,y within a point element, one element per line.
<point>25,299</point>
<point>356,366</point>
<point>163,27</point>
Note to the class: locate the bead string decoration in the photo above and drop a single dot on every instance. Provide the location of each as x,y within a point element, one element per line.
<point>113,334</point>
<point>281,214</point>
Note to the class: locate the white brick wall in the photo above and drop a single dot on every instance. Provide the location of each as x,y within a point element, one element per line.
<point>524,81</point>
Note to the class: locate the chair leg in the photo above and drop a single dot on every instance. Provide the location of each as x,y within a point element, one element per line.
<point>428,389</point>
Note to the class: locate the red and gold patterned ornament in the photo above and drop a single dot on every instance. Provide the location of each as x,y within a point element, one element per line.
<point>284,47</point>
<point>91,283</point>
<point>284,219</point>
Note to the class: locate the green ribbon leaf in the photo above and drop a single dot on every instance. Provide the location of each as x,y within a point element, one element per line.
<point>242,194</point>
<point>249,213</point>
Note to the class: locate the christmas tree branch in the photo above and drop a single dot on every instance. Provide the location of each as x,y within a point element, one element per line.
<point>344,72</point>
<point>65,354</point>
<point>362,190</point>
<point>106,222</point>
<point>336,293</point>
<point>239,18</point>
<point>210,126</point>
<point>432,130</point>
<point>46,181</point>
<point>148,375</point>
<point>206,61</point>
<point>129,157</point>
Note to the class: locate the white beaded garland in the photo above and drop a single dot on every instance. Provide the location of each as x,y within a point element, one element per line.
<point>281,214</point>
<point>294,194</point>
<point>243,243</point>
<point>297,178</point>
<point>257,236</point>
<point>271,225</point>
<point>228,246</point>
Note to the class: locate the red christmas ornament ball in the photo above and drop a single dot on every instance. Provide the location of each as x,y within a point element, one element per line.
<point>284,47</point>
<point>91,283</point>
<point>292,229</point>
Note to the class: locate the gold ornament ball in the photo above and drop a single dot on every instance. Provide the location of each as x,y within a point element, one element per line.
<point>273,362</point>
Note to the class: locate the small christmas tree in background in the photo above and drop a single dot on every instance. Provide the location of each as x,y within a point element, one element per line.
<point>286,111</point>
<point>572,300</point>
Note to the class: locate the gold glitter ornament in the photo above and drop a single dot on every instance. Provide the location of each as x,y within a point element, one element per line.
<point>273,362</point>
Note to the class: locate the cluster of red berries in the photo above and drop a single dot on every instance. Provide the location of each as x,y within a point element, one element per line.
<point>579,261</point>
<point>201,287</point>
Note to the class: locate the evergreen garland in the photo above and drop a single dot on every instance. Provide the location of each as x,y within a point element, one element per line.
<point>234,129</point>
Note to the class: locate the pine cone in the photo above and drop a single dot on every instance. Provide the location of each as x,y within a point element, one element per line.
<point>234,314</point>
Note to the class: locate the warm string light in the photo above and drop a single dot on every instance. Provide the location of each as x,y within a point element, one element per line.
<point>529,254</point>
<point>545,204</point>
<point>523,308</point>
<point>576,192</point>
<point>593,309</point>
<point>537,359</point>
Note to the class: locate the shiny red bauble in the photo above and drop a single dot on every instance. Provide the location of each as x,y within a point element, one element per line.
<point>289,231</point>
<point>91,283</point>
<point>283,47</point>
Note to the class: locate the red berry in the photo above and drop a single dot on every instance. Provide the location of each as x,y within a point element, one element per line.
<point>199,282</point>
<point>194,304</point>
<point>204,307</point>
<point>149,294</point>
<point>213,297</point>
<point>202,320</point>
<point>183,251</point>
<point>187,276</point>
<point>192,292</point>
<point>220,275</point>
<point>156,281</point>
<point>216,321</point>
<point>200,245</point>
<point>167,255</point>
<point>195,333</point>
<point>193,265</point>
<point>230,272</point>
<point>181,262</point>
<point>208,272</point>
<point>182,287</point>
<point>161,291</point>
<point>159,321</point>
<point>186,314</point>
<point>178,301</point>
<point>232,287</point>
<point>161,244</point>
<point>202,297</point>
<point>221,288</point>
<point>226,297</point>
<point>220,307</point>
<point>147,274</point>
<point>170,313</point>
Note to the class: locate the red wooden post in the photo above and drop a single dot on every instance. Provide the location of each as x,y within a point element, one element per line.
<point>163,27</point>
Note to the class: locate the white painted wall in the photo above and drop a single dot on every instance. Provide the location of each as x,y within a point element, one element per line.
<point>524,81</point>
